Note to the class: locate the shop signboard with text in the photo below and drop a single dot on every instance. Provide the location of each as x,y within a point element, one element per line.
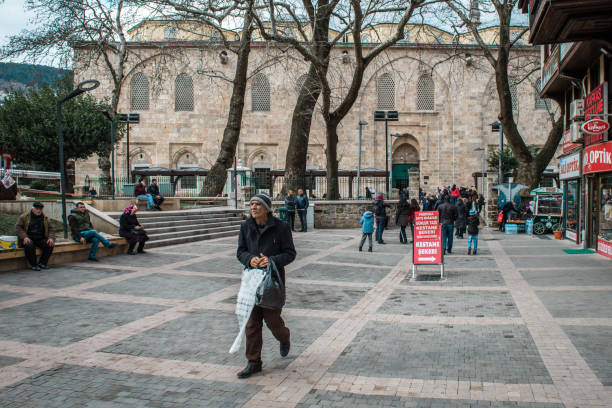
<point>596,107</point>
<point>566,142</point>
<point>569,167</point>
<point>604,248</point>
<point>597,158</point>
<point>427,242</point>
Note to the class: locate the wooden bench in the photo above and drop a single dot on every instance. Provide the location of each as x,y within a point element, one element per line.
<point>169,204</point>
<point>63,252</point>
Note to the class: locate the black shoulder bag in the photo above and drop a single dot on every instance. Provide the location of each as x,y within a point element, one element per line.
<point>271,291</point>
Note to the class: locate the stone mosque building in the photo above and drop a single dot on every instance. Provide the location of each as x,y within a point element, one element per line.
<point>442,87</point>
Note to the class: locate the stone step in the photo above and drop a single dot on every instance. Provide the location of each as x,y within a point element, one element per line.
<point>191,232</point>
<point>178,223</point>
<point>167,215</point>
<point>190,238</point>
<point>153,230</point>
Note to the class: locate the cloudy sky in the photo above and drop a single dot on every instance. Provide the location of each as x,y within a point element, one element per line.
<point>12,19</point>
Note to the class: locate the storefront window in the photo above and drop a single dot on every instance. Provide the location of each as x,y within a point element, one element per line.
<point>605,213</point>
<point>572,203</point>
<point>549,205</point>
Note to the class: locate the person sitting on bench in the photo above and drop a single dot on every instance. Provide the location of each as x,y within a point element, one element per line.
<point>35,231</point>
<point>83,230</point>
<point>140,191</point>
<point>153,189</point>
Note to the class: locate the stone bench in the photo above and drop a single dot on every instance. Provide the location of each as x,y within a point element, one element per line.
<point>63,252</point>
<point>169,204</point>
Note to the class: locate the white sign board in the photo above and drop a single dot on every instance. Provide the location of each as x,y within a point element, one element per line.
<point>569,167</point>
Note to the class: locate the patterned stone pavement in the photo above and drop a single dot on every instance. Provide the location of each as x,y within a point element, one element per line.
<point>522,324</point>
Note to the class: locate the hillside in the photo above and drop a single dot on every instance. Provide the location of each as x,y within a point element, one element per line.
<point>14,75</point>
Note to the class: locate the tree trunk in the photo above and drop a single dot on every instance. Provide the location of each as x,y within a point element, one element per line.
<point>331,137</point>
<point>217,176</point>
<point>104,164</point>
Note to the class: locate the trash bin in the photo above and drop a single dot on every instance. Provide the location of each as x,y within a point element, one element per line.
<point>282,213</point>
<point>529,226</point>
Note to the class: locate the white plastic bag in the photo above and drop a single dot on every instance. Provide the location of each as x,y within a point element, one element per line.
<point>251,278</point>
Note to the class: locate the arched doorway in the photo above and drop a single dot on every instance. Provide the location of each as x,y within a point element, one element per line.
<point>405,157</point>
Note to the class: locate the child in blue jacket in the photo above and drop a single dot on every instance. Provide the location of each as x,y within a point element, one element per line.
<point>367,227</point>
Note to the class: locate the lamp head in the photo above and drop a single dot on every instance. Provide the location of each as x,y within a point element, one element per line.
<point>363,122</point>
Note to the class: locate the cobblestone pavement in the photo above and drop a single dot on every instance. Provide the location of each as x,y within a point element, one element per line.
<point>522,324</point>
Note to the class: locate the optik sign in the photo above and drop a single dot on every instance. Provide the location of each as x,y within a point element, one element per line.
<point>597,158</point>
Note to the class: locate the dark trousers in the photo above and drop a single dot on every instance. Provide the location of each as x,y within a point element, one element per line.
<point>30,251</point>
<point>365,235</point>
<point>302,214</point>
<point>447,237</point>
<point>380,227</point>
<point>132,244</point>
<point>403,237</point>
<point>254,337</point>
<point>291,219</point>
<point>158,201</point>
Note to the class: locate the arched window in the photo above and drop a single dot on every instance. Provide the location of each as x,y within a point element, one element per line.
<point>300,83</point>
<point>260,93</point>
<point>386,92</point>
<point>170,33</point>
<point>426,93</point>
<point>539,102</point>
<point>139,92</point>
<point>514,96</point>
<point>183,93</point>
<point>365,38</point>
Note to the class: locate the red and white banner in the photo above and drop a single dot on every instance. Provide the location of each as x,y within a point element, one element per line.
<point>567,144</point>
<point>570,235</point>
<point>604,248</point>
<point>596,103</point>
<point>569,167</point>
<point>597,158</point>
<point>427,243</point>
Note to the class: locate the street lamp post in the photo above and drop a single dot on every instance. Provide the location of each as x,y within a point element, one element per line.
<point>482,171</point>
<point>386,116</point>
<point>81,88</point>
<point>391,161</point>
<point>112,121</point>
<point>362,123</point>
<point>497,127</point>
<point>128,118</point>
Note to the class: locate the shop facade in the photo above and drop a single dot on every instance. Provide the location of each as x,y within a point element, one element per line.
<point>597,170</point>
<point>570,174</point>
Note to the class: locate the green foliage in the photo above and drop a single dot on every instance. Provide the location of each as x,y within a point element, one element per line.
<point>28,126</point>
<point>29,74</point>
<point>509,161</point>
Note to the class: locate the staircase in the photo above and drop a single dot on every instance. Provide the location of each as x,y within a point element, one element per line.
<point>177,227</point>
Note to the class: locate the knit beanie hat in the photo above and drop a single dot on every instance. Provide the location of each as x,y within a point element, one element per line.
<point>264,200</point>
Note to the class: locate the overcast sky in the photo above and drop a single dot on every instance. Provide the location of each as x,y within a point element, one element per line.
<point>12,19</point>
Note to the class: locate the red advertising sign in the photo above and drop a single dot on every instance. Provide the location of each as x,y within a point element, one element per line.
<point>427,243</point>
<point>594,104</point>
<point>567,142</point>
<point>597,158</point>
<point>595,126</point>
<point>604,248</point>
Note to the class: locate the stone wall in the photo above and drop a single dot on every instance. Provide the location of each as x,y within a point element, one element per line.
<point>346,214</point>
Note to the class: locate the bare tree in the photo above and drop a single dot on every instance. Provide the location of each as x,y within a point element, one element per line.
<point>531,165</point>
<point>95,31</point>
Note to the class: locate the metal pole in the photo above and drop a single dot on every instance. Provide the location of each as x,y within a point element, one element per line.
<point>60,142</point>
<point>235,183</point>
<point>482,172</point>
<point>113,156</point>
<point>387,158</point>
<point>500,179</point>
<point>127,154</point>
<point>390,187</point>
<point>359,160</point>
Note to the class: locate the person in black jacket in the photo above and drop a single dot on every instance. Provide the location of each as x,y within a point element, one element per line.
<point>291,205</point>
<point>153,189</point>
<point>447,214</point>
<point>131,230</point>
<point>473,222</point>
<point>264,238</point>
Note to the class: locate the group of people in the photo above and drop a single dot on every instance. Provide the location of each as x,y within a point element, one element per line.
<point>299,204</point>
<point>149,194</point>
<point>34,230</point>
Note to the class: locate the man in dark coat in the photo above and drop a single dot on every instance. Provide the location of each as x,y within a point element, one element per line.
<point>153,189</point>
<point>302,208</point>
<point>447,214</point>
<point>506,210</point>
<point>290,205</point>
<point>264,238</point>
<point>461,218</point>
<point>34,230</point>
<point>83,231</point>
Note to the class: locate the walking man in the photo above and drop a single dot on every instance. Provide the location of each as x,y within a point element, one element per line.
<point>83,231</point>
<point>290,205</point>
<point>302,208</point>
<point>35,231</point>
<point>380,214</point>
<point>262,238</point>
<point>447,214</point>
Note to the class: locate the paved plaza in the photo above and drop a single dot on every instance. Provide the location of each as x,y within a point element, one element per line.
<point>522,324</point>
